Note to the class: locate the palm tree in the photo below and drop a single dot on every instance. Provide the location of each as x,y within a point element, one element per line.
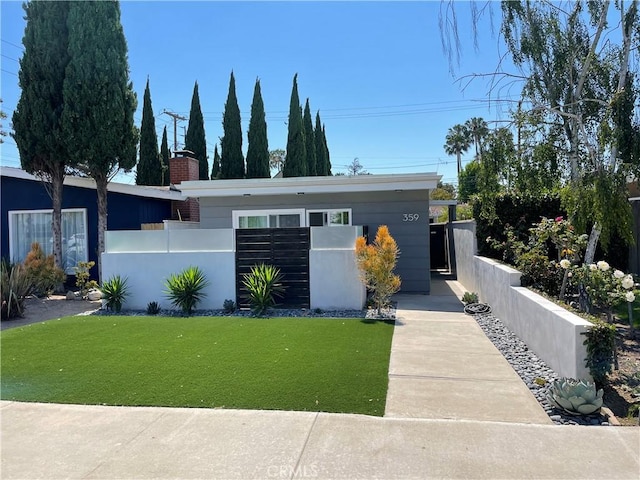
<point>458,141</point>
<point>478,130</point>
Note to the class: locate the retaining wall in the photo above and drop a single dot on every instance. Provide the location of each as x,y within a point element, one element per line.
<point>553,333</point>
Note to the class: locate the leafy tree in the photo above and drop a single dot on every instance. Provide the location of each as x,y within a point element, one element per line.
<point>457,142</point>
<point>309,141</point>
<point>149,171</point>
<point>356,168</point>
<point>276,159</point>
<point>376,263</point>
<point>468,181</point>
<point>195,140</point>
<point>477,130</point>
<point>295,162</point>
<point>232,160</point>
<point>215,170</point>
<point>258,149</point>
<point>97,81</point>
<point>37,119</point>
<point>164,158</point>
<point>322,162</point>
<point>444,191</point>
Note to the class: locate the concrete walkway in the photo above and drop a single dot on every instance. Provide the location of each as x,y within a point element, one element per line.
<point>454,410</point>
<point>442,365</point>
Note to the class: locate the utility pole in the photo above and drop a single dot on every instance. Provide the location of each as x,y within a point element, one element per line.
<point>175,117</point>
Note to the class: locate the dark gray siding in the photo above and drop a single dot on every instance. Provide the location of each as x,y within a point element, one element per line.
<point>370,209</point>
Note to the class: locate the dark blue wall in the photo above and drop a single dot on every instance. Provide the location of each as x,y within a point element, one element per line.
<point>126,212</point>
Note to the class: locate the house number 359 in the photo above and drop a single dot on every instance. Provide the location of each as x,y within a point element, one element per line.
<point>410,217</point>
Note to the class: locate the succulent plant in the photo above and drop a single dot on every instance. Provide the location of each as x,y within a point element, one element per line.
<point>576,397</point>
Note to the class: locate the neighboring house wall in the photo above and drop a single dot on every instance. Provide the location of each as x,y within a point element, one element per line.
<point>370,209</point>
<point>126,212</point>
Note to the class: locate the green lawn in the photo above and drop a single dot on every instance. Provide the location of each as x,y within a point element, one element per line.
<point>317,364</point>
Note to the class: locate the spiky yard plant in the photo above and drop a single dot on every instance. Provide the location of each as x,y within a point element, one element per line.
<point>15,285</point>
<point>186,289</point>
<point>263,284</point>
<point>114,292</point>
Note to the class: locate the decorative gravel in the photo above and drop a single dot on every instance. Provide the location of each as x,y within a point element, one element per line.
<point>531,369</point>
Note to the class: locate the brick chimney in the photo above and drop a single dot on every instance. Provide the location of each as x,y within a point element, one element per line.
<point>183,168</point>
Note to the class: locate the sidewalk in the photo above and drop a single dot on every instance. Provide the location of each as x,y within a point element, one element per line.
<point>442,365</point>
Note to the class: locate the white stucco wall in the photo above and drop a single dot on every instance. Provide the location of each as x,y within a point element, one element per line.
<point>553,333</point>
<point>147,272</point>
<point>334,281</point>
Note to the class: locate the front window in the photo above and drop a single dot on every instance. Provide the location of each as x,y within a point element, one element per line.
<point>29,226</point>
<point>328,218</point>
<point>268,218</point>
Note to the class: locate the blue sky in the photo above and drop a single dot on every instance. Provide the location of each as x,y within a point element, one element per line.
<point>375,70</point>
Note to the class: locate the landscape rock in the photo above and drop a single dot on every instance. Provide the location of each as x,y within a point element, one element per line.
<point>94,294</point>
<point>71,295</point>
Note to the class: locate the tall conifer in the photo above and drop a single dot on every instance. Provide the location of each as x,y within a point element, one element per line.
<point>215,170</point>
<point>258,148</point>
<point>195,140</point>
<point>164,157</point>
<point>309,141</point>
<point>295,162</point>
<point>327,156</point>
<point>232,160</point>
<point>97,81</point>
<point>37,119</point>
<point>318,140</point>
<point>149,170</point>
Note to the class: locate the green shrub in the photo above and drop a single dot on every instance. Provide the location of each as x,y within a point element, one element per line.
<point>470,297</point>
<point>229,306</point>
<point>186,289</point>
<point>83,278</point>
<point>153,308</point>
<point>43,271</point>
<point>600,342</point>
<point>15,286</point>
<point>263,284</point>
<point>114,292</point>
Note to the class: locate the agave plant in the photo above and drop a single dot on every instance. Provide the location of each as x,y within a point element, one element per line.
<point>114,292</point>
<point>186,289</point>
<point>263,284</point>
<point>576,397</point>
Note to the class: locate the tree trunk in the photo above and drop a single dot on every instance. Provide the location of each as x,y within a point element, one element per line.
<point>57,179</point>
<point>101,189</point>
<point>594,236</point>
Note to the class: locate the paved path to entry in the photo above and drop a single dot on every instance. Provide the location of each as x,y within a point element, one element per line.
<point>443,366</point>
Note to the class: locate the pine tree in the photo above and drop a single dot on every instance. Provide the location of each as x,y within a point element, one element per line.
<point>318,140</point>
<point>258,148</point>
<point>232,160</point>
<point>295,161</point>
<point>97,81</point>
<point>215,170</point>
<point>309,141</point>
<point>37,119</point>
<point>164,157</point>
<point>195,140</point>
<point>327,157</point>
<point>149,171</point>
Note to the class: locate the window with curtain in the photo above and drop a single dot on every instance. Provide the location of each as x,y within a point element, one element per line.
<point>29,226</point>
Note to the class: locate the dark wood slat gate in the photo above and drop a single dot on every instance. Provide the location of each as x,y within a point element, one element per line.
<point>285,248</point>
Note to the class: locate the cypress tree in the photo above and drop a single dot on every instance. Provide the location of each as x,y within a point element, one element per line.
<point>327,157</point>
<point>309,141</point>
<point>149,171</point>
<point>195,139</point>
<point>97,81</point>
<point>232,160</point>
<point>258,148</point>
<point>164,157</point>
<point>215,170</point>
<point>37,119</point>
<point>295,161</point>
<point>321,157</point>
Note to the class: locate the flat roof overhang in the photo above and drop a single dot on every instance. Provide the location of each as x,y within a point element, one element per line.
<point>309,185</point>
